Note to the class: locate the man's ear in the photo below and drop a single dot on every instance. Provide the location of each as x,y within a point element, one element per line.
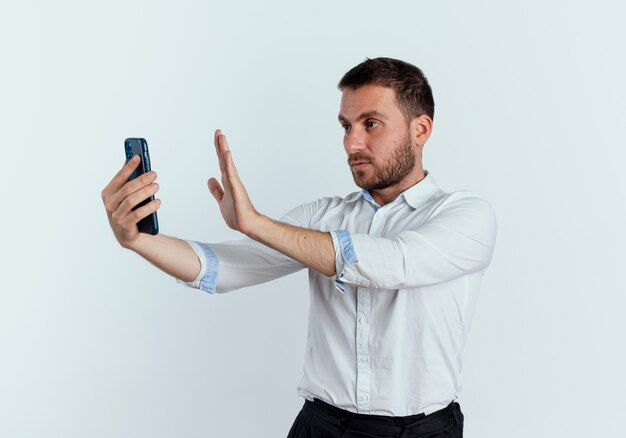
<point>421,128</point>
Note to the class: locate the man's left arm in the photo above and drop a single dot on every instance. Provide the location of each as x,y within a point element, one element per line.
<point>456,242</point>
<point>459,241</point>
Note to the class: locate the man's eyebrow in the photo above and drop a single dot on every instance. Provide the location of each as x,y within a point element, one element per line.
<point>364,115</point>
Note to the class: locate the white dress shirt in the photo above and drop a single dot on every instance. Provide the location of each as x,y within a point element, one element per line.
<point>386,334</point>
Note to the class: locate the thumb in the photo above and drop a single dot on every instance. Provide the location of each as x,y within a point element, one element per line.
<point>215,189</point>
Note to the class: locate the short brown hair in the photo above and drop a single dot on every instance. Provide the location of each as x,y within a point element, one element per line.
<point>413,93</point>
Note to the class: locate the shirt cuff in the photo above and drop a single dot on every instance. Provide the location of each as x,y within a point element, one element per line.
<point>209,268</point>
<point>344,255</point>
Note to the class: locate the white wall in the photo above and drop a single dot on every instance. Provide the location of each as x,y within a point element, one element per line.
<point>94,341</point>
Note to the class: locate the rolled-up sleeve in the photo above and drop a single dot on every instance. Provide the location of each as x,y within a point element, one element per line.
<point>209,268</point>
<point>344,254</point>
<point>457,241</point>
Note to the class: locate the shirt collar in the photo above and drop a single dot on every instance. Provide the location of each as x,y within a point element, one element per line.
<point>414,195</point>
<point>419,193</point>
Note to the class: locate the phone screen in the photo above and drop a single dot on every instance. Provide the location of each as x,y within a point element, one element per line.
<point>139,146</point>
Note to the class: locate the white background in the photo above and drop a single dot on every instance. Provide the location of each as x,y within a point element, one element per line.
<point>94,341</point>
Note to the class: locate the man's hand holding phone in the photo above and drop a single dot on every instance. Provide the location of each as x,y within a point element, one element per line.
<point>121,196</point>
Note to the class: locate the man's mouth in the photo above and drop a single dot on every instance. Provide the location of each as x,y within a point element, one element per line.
<point>359,165</point>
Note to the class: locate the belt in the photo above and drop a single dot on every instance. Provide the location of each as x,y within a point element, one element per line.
<point>438,421</point>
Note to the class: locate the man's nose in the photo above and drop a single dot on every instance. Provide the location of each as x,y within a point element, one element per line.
<point>354,141</point>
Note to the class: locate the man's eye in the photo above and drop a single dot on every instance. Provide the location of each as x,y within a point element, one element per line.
<point>345,127</point>
<point>369,122</point>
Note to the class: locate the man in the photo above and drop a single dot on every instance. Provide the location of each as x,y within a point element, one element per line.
<point>394,269</point>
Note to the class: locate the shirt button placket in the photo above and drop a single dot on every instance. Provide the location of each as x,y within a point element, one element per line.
<point>364,370</point>
<point>364,316</point>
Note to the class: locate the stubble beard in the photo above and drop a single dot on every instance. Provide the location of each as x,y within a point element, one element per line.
<point>401,164</point>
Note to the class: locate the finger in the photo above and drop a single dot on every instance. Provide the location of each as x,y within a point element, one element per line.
<point>237,189</point>
<point>218,134</point>
<point>215,139</point>
<point>223,143</point>
<point>131,187</point>
<point>136,198</point>
<point>121,177</point>
<point>224,152</point>
<point>229,164</point>
<point>142,212</point>
<point>216,190</point>
<point>223,147</point>
<point>231,170</point>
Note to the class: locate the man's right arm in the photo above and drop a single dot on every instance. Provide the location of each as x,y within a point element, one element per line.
<point>120,197</point>
<point>171,255</point>
<point>235,264</point>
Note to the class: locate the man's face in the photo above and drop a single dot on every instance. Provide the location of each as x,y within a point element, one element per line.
<point>377,138</point>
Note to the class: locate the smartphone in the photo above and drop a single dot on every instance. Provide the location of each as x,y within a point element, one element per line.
<point>139,146</point>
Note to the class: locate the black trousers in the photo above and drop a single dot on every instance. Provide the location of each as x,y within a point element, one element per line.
<point>318,419</point>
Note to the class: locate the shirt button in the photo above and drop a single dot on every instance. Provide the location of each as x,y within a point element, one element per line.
<point>363,359</point>
<point>363,320</point>
<point>362,397</point>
